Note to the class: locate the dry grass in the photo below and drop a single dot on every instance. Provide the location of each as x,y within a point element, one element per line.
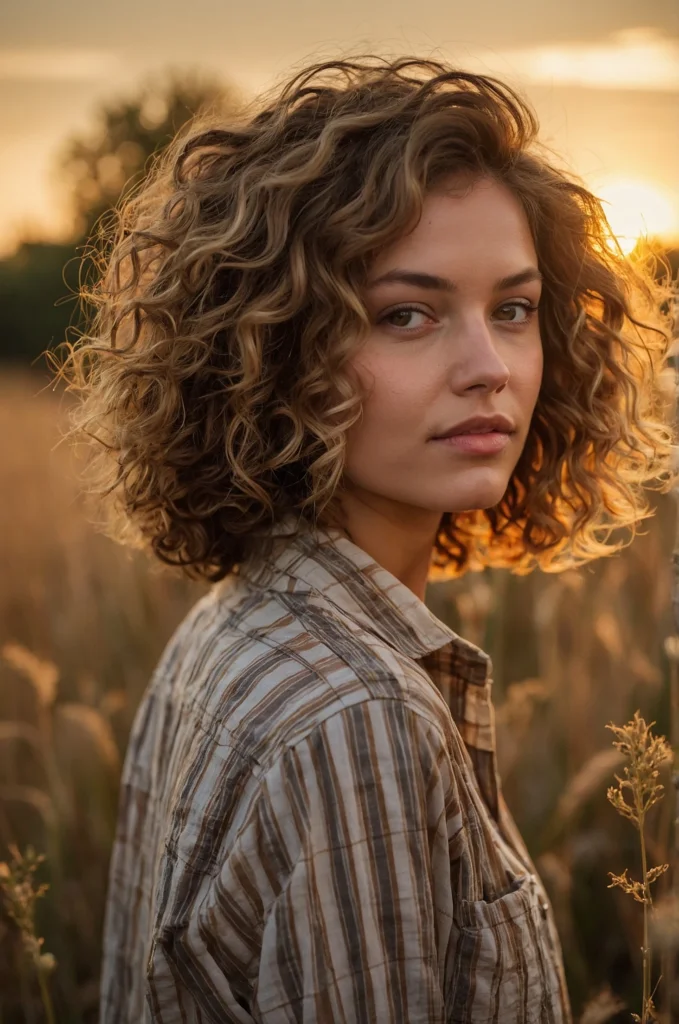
<point>83,623</point>
<point>633,796</point>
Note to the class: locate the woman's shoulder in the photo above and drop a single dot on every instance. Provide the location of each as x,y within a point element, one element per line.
<point>262,668</point>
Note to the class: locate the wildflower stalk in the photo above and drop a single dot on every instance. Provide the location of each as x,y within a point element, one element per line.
<point>16,884</point>
<point>645,753</point>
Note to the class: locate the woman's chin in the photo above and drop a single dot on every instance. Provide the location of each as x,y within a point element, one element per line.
<point>465,499</point>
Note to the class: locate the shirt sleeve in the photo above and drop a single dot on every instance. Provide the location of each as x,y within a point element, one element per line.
<point>335,903</point>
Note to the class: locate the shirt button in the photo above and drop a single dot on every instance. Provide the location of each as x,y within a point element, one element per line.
<point>544,907</point>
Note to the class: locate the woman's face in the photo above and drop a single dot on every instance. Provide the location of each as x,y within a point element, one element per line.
<point>473,349</point>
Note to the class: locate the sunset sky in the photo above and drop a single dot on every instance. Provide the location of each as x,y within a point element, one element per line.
<point>602,75</point>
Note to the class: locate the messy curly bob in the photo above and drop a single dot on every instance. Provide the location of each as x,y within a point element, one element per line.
<point>216,394</point>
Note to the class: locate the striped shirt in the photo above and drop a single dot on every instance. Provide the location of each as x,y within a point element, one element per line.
<point>311,826</point>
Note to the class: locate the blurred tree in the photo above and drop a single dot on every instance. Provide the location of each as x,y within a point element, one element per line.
<point>37,299</point>
<point>97,169</point>
<point>38,284</point>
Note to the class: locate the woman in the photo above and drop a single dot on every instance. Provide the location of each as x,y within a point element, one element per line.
<point>360,337</point>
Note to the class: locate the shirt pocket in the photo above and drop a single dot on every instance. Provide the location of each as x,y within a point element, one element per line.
<point>502,968</point>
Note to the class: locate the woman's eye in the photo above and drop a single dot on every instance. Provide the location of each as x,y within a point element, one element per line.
<point>404,312</point>
<point>527,307</point>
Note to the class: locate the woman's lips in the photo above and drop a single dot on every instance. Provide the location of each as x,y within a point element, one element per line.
<point>489,443</point>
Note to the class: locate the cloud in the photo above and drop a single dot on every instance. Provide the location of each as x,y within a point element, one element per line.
<point>60,65</point>
<point>641,58</point>
<point>638,58</point>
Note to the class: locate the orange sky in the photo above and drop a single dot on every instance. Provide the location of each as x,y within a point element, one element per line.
<point>603,77</point>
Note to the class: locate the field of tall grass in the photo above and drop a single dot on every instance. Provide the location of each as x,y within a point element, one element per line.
<point>82,623</point>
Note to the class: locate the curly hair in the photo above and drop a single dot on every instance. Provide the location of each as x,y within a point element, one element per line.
<point>215,389</point>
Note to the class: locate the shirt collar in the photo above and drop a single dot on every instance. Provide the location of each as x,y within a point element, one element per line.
<point>326,561</point>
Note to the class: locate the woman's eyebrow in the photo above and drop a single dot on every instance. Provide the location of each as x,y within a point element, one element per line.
<point>442,284</point>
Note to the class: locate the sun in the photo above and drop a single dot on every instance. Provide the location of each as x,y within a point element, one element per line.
<point>637,209</point>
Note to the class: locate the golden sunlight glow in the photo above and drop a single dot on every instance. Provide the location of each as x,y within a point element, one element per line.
<point>637,209</point>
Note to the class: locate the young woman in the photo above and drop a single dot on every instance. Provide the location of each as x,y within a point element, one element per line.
<point>362,336</point>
